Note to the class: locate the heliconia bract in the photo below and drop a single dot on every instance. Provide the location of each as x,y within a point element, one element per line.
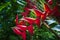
<point>30,29</point>
<point>47,9</point>
<point>37,22</point>
<point>28,19</point>
<point>37,12</point>
<point>43,16</point>
<point>21,26</point>
<point>17,31</point>
<point>21,22</point>
<point>23,35</point>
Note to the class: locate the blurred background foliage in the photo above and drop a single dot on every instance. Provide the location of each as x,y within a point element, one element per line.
<point>8,11</point>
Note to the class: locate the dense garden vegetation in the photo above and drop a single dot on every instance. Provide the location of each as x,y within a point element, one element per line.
<point>29,19</point>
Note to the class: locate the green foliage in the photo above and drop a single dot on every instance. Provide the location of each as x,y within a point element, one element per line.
<point>8,11</point>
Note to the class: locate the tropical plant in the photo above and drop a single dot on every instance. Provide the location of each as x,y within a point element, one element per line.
<point>29,19</point>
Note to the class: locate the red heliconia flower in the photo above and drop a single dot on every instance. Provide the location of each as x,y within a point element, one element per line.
<point>50,1</point>
<point>37,12</point>
<point>47,9</point>
<point>28,19</point>
<point>21,32</point>
<point>16,30</point>
<point>37,22</point>
<point>30,29</point>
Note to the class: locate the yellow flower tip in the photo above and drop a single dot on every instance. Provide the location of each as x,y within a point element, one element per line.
<point>32,10</point>
<point>15,20</point>
<point>20,21</point>
<point>31,18</point>
<point>41,16</point>
<point>13,27</point>
<point>44,7</point>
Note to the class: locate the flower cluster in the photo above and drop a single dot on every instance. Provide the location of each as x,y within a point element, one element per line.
<point>21,26</point>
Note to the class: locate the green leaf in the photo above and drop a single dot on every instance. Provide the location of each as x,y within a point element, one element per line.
<point>4,5</point>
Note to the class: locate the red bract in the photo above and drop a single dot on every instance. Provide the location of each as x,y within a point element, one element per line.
<point>23,35</point>
<point>22,27</point>
<point>37,22</point>
<point>29,20</point>
<point>20,31</point>
<point>37,12</point>
<point>30,29</point>
<point>50,2</point>
<point>47,9</point>
<point>17,31</point>
<point>43,16</point>
<point>40,14</point>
